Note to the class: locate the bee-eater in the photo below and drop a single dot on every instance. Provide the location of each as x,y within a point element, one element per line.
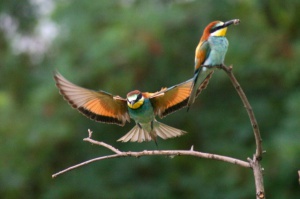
<point>142,107</point>
<point>210,52</point>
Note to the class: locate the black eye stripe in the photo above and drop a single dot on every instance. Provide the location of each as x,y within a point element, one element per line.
<point>216,28</point>
<point>138,97</point>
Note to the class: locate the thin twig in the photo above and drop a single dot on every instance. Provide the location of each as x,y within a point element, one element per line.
<point>88,139</point>
<point>170,153</point>
<point>258,140</point>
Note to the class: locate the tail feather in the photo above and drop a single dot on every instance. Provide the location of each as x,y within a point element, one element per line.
<point>138,134</point>
<point>141,136</point>
<point>200,82</point>
<point>161,133</point>
<point>170,132</point>
<point>126,137</point>
<point>204,84</point>
<point>164,131</point>
<point>193,92</point>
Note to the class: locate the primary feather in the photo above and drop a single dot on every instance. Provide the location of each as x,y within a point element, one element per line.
<point>97,105</point>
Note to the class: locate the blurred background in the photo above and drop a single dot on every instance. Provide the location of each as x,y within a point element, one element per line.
<point>122,45</point>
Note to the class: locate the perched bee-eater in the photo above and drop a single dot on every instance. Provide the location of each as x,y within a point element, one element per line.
<point>210,52</point>
<point>141,107</point>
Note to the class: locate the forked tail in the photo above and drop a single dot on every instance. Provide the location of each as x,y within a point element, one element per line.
<point>139,134</point>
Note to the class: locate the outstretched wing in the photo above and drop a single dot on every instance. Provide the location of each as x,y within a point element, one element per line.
<point>169,100</point>
<point>96,105</point>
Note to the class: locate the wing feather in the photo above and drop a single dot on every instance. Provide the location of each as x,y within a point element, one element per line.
<point>96,105</point>
<point>172,99</point>
<point>201,78</point>
<point>201,54</point>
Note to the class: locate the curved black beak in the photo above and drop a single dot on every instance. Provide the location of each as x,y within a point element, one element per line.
<point>226,24</point>
<point>233,21</point>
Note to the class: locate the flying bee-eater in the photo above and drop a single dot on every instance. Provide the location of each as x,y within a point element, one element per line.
<point>142,107</point>
<point>210,52</point>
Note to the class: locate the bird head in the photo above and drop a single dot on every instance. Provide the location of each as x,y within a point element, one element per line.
<point>135,99</point>
<point>218,28</point>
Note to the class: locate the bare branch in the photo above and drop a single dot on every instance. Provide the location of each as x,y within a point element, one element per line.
<point>238,88</point>
<point>258,178</point>
<point>170,153</point>
<point>255,162</point>
<point>88,139</point>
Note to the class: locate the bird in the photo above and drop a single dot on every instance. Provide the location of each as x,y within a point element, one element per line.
<point>142,107</point>
<point>210,52</point>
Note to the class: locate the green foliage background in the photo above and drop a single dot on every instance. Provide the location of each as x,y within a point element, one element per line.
<point>122,45</point>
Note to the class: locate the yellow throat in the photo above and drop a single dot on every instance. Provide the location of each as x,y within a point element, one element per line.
<point>219,33</point>
<point>137,104</point>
